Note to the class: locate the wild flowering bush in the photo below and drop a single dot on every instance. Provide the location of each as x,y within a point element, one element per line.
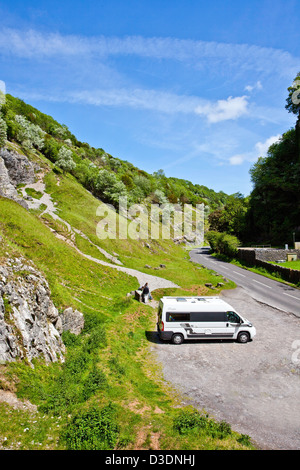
<point>65,160</point>
<point>28,134</point>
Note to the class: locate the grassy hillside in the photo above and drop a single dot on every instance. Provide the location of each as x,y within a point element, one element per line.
<point>35,129</point>
<point>109,393</point>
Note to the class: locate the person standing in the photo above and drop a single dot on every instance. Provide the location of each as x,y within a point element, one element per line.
<point>145,293</point>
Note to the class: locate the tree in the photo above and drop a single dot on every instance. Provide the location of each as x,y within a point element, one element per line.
<point>293,106</point>
<point>293,100</point>
<point>28,134</point>
<point>275,199</point>
<point>109,188</point>
<point>65,160</point>
<point>231,218</point>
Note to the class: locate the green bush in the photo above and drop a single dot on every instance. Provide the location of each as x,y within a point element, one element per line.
<point>95,429</point>
<point>188,420</point>
<point>222,243</point>
<point>212,238</point>
<point>192,420</point>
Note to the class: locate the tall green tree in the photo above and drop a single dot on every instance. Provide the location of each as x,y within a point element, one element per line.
<point>293,106</point>
<point>232,218</point>
<point>275,200</point>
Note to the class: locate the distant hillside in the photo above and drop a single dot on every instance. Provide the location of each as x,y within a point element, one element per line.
<point>105,176</point>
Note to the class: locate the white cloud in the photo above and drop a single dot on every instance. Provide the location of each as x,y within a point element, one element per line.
<point>160,101</point>
<point>257,86</point>
<point>153,100</point>
<point>263,147</point>
<point>2,87</point>
<point>260,150</point>
<point>242,57</point>
<point>224,110</point>
<point>237,160</point>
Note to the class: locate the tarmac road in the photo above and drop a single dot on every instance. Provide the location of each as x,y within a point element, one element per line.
<point>254,386</point>
<point>273,293</point>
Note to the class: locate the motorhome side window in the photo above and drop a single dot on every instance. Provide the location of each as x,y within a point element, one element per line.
<point>208,317</point>
<point>182,317</point>
<point>233,317</point>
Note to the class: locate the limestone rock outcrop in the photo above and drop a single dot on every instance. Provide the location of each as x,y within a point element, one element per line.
<point>14,169</point>
<point>30,324</point>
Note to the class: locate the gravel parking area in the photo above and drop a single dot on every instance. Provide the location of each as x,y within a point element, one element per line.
<point>255,386</point>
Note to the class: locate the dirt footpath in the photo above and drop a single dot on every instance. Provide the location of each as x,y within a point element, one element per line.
<point>255,386</point>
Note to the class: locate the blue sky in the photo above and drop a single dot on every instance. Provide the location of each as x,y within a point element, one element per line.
<point>195,88</point>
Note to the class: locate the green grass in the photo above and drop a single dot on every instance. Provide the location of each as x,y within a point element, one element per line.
<point>24,430</point>
<point>78,207</point>
<point>290,264</point>
<point>33,193</point>
<point>74,280</point>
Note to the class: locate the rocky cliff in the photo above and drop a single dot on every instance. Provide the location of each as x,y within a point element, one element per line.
<point>14,169</point>
<point>30,325</point>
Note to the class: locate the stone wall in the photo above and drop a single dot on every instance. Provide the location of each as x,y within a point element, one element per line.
<point>274,255</point>
<point>264,257</point>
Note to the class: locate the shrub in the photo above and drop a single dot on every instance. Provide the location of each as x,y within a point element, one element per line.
<point>192,420</point>
<point>95,381</point>
<point>28,134</point>
<point>188,420</point>
<point>95,429</point>
<point>212,238</point>
<point>222,243</point>
<point>65,160</point>
<point>109,188</point>
<point>51,148</point>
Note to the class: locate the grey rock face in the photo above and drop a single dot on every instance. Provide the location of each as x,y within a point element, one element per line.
<point>28,317</point>
<point>19,168</point>
<point>14,169</point>
<point>7,189</point>
<point>72,320</point>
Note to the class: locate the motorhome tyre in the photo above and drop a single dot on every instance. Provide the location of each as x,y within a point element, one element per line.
<point>177,338</point>
<point>243,337</point>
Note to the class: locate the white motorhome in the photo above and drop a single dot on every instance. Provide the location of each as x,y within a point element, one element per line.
<point>185,318</point>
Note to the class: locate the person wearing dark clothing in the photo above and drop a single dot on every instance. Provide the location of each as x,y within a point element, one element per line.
<point>145,293</point>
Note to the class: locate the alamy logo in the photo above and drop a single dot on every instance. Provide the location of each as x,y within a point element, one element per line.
<point>151,221</point>
<point>296,94</point>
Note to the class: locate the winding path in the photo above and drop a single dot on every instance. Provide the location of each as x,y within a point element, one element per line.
<point>155,282</point>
